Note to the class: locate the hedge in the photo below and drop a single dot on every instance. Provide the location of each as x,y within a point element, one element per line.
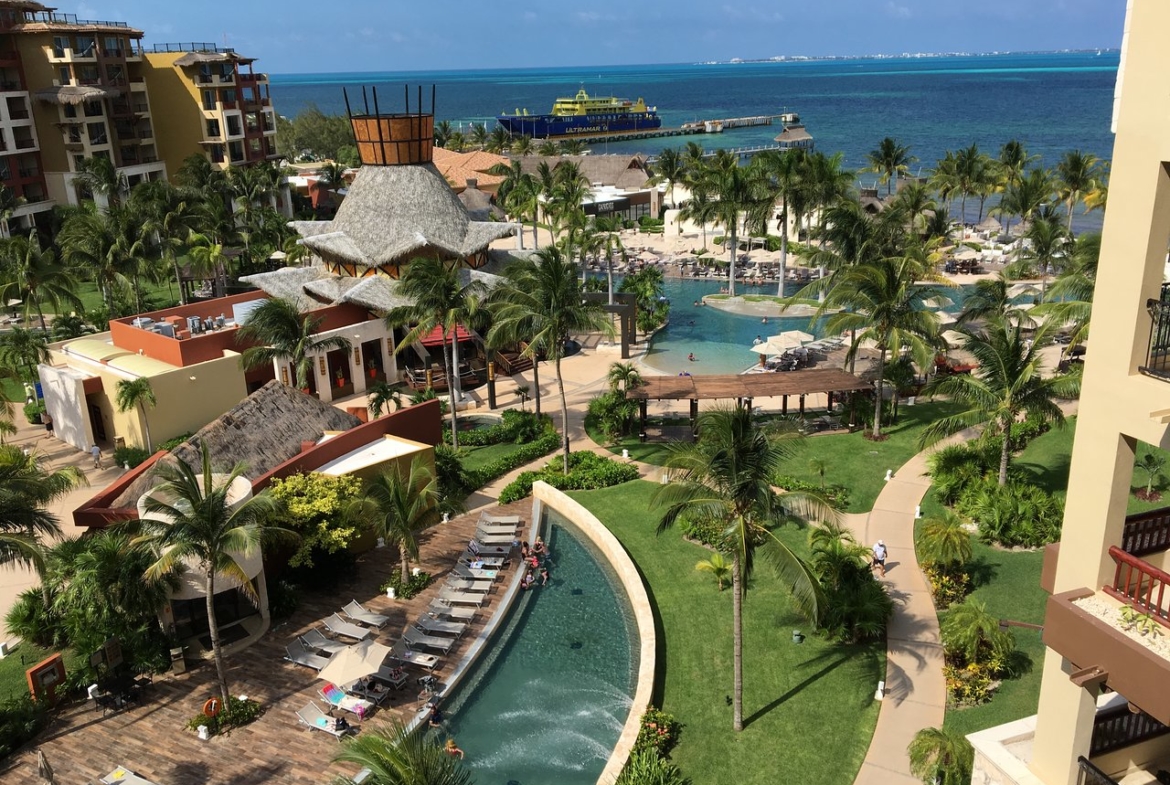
<point>477,478</point>
<point>515,426</point>
<point>587,472</point>
<point>836,495</point>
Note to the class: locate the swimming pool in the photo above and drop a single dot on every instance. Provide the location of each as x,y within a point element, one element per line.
<point>548,702</point>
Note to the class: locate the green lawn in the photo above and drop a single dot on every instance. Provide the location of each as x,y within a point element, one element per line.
<point>1009,583</point>
<point>13,683</point>
<point>809,708</point>
<point>162,295</point>
<point>476,458</point>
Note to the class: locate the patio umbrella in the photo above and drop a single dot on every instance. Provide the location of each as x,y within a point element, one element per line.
<point>1016,290</point>
<point>14,302</point>
<point>935,303</point>
<point>799,336</point>
<point>965,254</point>
<point>954,338</point>
<point>44,769</point>
<point>355,662</point>
<point>945,318</point>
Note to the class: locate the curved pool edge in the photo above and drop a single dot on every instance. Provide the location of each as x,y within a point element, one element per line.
<point>623,566</point>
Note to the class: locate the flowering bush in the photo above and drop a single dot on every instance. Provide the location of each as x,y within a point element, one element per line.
<point>948,585</point>
<point>658,732</point>
<point>967,685</point>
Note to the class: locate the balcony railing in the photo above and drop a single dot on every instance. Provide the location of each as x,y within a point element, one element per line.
<point>188,47</point>
<point>1091,775</point>
<point>1158,348</point>
<point>1140,585</point>
<point>1118,727</point>
<point>69,19</point>
<point>1146,533</point>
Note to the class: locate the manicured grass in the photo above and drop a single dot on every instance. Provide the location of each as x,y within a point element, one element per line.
<point>13,683</point>
<point>476,458</point>
<point>162,295</point>
<point>809,708</point>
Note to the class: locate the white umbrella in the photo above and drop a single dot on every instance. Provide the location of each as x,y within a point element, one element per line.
<point>966,254</point>
<point>355,662</point>
<point>954,338</point>
<point>1015,290</point>
<point>944,317</point>
<point>796,335</point>
<point>14,302</point>
<point>935,303</point>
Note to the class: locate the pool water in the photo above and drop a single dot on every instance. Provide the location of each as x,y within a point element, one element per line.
<point>547,702</point>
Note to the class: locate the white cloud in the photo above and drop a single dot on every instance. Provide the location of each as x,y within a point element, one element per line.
<point>898,11</point>
<point>751,14</point>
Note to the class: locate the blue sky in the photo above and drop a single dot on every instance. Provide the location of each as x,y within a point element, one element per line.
<point>291,36</point>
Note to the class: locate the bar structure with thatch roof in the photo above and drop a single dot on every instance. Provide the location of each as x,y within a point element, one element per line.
<point>745,387</point>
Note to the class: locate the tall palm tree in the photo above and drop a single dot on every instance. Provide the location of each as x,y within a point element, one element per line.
<point>443,132</point>
<point>136,394</point>
<point>170,216</point>
<point>397,756</point>
<point>916,202</point>
<point>399,508</point>
<point>941,757</point>
<point>540,301</point>
<point>891,160</point>
<point>100,177</point>
<point>1013,161</point>
<point>190,520</point>
<point>519,194</point>
<point>825,184</point>
<point>207,257</point>
<point>26,490</point>
<point>22,350</point>
<point>623,377</point>
<point>670,168</point>
<point>1027,196</point>
<point>498,140</point>
<point>784,171</point>
<point>726,477</point>
<point>991,298</point>
<point>1077,175</point>
<point>883,301</point>
<point>442,300</point>
<point>35,276</point>
<point>332,177</point>
<point>548,148</point>
<point>742,196</point>
<point>700,208</point>
<point>570,188</point>
<point>478,136</point>
<point>522,145</point>
<point>1048,249</point>
<point>9,201</point>
<point>1007,383</point>
<point>1070,298</point>
<point>91,244</point>
<point>284,334</point>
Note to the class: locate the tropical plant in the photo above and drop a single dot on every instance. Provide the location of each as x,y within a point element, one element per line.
<point>857,607</point>
<point>1026,196</point>
<point>700,208</point>
<point>1151,463</point>
<point>1007,383</point>
<point>190,519</point>
<point>623,377</point>
<point>284,334</point>
<point>9,201</point>
<point>742,198</point>
<point>974,633</point>
<point>818,466</point>
<point>443,130</point>
<point>316,508</point>
<point>98,176</point>
<point>95,244</point>
<point>1048,249</point>
<point>519,194</point>
<point>726,477</point>
<point>891,160</point>
<point>1077,174</point>
<point>941,757</point>
<point>440,300</point>
<point>69,325</point>
<point>382,395</point>
<point>136,394</point>
<point>22,350</point>
<point>540,302</point>
<point>719,567</point>
<point>943,540</point>
<point>647,767</point>
<point>991,298</point>
<point>35,277</point>
<point>670,168</point>
<point>1070,298</point>
<point>784,171</point>
<point>400,507</point>
<point>397,756</point>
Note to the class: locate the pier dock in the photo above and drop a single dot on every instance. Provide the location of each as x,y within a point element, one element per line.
<point>686,129</point>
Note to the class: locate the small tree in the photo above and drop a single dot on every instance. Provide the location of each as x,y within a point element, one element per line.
<point>969,630</point>
<point>944,541</point>
<point>381,396</point>
<point>400,507</point>
<point>1152,463</point>
<point>136,394</point>
<point>941,757</point>
<point>314,506</point>
<point>819,467</point>
<point>718,565</point>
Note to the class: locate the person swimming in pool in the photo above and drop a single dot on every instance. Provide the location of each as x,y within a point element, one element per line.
<point>691,357</point>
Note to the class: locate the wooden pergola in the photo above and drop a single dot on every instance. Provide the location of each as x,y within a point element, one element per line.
<point>744,387</point>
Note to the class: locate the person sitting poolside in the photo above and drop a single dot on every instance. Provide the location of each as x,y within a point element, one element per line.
<point>539,548</point>
<point>435,720</point>
<point>524,550</point>
<point>543,576</point>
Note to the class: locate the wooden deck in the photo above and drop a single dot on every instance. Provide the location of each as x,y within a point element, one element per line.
<point>760,385</point>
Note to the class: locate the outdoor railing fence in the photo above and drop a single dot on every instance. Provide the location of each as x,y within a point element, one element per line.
<point>1140,585</point>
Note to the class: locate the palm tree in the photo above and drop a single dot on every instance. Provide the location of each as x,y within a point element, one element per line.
<point>284,334</point>
<point>1077,174</point>
<point>1013,161</point>
<point>943,540</point>
<point>784,171</point>
<point>33,275</point>
<point>572,147</point>
<point>1070,300</point>
<point>381,396</point>
<point>1152,463</point>
<point>991,298</point>
<point>9,201</point>
<point>443,131</point>
<point>540,301</point>
<point>1048,250</point>
<point>819,467</point>
<point>91,245</point>
<point>548,148</point>
<point>570,189</point>
<point>456,141</point>
<point>136,394</point>
<point>22,350</point>
<point>882,301</point>
<point>190,520</point>
<point>915,201</point>
<point>891,160</point>
<point>332,177</point>
<point>726,477</point>
<point>479,135</point>
<point>519,195</point>
<point>170,216</point>
<point>26,490</point>
<point>522,145</point>
<point>440,300</point>
<point>741,195</point>
<point>670,168</point>
<point>941,757</point>
<point>207,256</point>
<point>700,209</point>
<point>825,184</point>
<point>397,756</point>
<point>974,633</point>
<point>1026,196</point>
<point>498,140</point>
<point>399,508</point>
<point>100,177</point>
<point>719,567</point>
<point>1007,383</point>
<point>623,377</point>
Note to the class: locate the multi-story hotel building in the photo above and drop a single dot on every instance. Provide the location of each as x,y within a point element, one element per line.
<point>1104,706</point>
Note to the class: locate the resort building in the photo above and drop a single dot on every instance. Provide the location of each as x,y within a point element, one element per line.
<point>1104,706</point>
<point>275,432</point>
<point>619,184</point>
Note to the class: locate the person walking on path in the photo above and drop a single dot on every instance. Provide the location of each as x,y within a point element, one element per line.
<point>96,452</point>
<point>879,557</point>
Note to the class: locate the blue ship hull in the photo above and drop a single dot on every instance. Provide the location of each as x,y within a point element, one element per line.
<point>543,126</point>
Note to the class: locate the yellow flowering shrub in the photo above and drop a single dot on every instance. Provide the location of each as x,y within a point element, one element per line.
<point>313,505</point>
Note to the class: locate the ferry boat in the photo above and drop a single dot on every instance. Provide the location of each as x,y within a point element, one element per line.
<point>583,114</point>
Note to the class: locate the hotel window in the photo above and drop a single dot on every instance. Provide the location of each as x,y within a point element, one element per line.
<point>70,110</point>
<point>208,100</point>
<point>97,133</point>
<point>86,45</point>
<point>233,126</point>
<point>112,46</point>
<point>60,45</point>
<point>89,75</point>
<point>93,109</point>
<point>213,128</point>
<point>66,75</point>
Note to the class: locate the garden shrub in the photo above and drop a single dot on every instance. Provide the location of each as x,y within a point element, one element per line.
<point>283,599</point>
<point>1025,431</point>
<point>657,732</point>
<point>587,472</point>
<point>613,414</point>
<point>171,444</point>
<point>235,714</point>
<point>404,590</point>
<point>647,768</point>
<point>967,685</point>
<point>21,719</point>
<point>948,584</point>
<point>1013,514</point>
<point>315,507</point>
<point>704,531</point>
<point>516,427</point>
<point>454,483</point>
<point>836,495</point>
<point>956,467</point>
<point>130,456</point>
<point>33,412</point>
<point>527,453</point>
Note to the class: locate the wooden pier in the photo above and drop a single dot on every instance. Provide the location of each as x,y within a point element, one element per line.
<point>686,129</point>
<point>739,152</point>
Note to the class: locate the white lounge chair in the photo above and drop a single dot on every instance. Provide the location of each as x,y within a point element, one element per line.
<point>338,699</point>
<point>486,540</point>
<point>316,719</point>
<point>296,652</point>
<point>512,519</point>
<point>474,574</point>
<point>314,640</point>
<point>401,652</point>
<point>495,530</point>
<point>394,677</point>
<point>454,597</point>
<point>462,584</point>
<point>439,627</point>
<point>355,611</point>
<point>439,608</point>
<point>420,640</point>
<point>339,626</point>
<point>482,562</point>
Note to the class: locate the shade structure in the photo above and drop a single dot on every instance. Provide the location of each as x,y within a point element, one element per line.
<point>355,662</point>
<point>1019,289</point>
<point>435,336</point>
<point>954,338</point>
<point>945,318</point>
<point>935,303</point>
<point>797,335</point>
<point>964,253</point>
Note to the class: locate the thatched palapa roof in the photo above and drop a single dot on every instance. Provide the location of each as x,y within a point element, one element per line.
<point>627,172</point>
<point>263,431</point>
<point>72,95</point>
<point>394,213</point>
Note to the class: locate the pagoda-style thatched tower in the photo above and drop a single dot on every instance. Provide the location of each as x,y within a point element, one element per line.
<point>399,207</point>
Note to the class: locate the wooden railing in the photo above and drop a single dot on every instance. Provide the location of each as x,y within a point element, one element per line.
<point>1147,532</point>
<point>1091,775</point>
<point>1119,727</point>
<point>1140,585</point>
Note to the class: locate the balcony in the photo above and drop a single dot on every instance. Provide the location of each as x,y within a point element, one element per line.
<point>57,54</point>
<point>1158,349</point>
<point>26,143</point>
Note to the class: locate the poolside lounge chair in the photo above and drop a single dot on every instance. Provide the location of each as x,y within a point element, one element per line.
<point>369,689</point>
<point>315,640</point>
<point>469,559</point>
<point>462,584</point>
<point>474,573</point>
<point>394,677</point>
<point>339,626</point>
<point>420,640</point>
<point>316,719</point>
<point>512,519</point>
<point>496,530</point>
<point>296,652</point>
<point>439,627</point>
<point>495,539</point>
<point>336,697</point>
<point>401,652</point>
<point>355,611</point>
<point>439,608</point>
<point>455,597</point>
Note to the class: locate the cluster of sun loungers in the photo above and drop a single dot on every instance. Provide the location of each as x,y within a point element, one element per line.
<point>438,629</point>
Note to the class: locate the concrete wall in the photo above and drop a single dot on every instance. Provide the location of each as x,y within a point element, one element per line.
<point>64,392</point>
<point>176,109</point>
